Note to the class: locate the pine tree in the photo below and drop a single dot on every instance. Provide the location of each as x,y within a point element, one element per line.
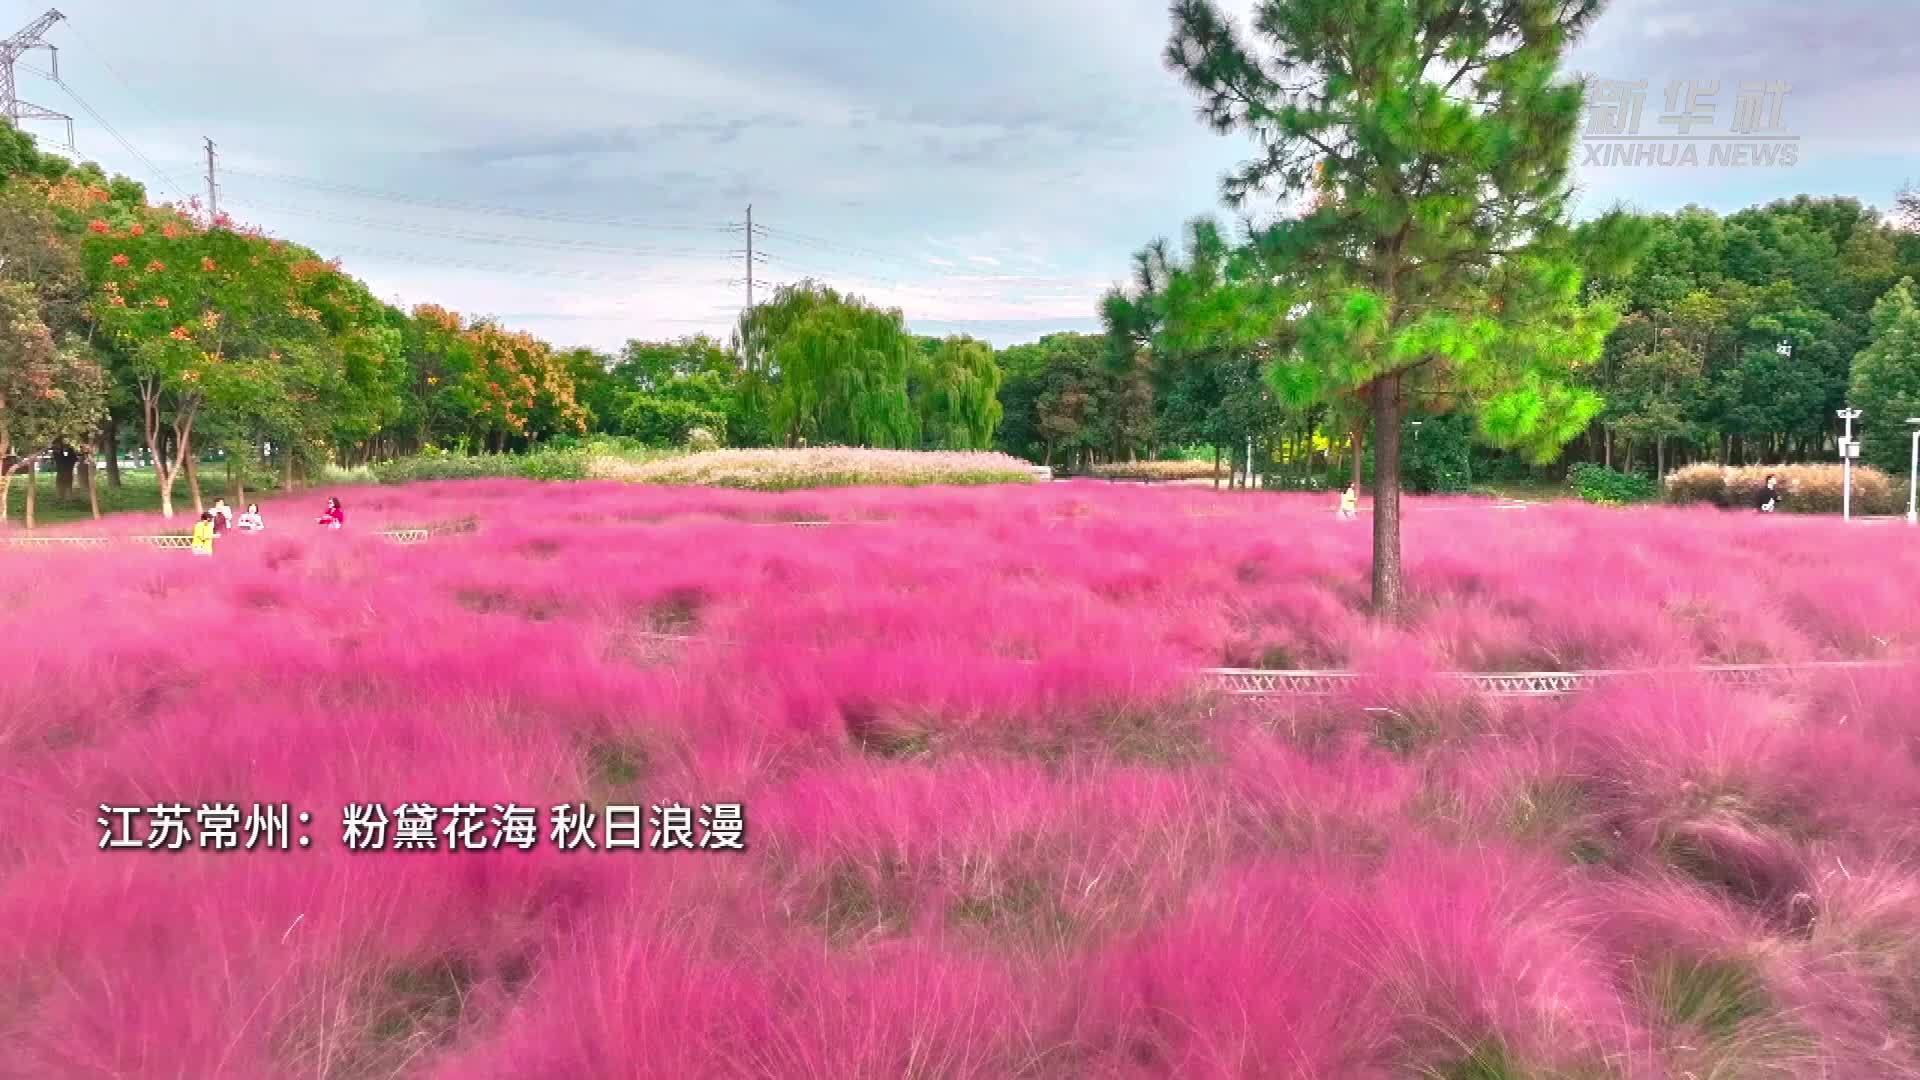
<point>1434,138</point>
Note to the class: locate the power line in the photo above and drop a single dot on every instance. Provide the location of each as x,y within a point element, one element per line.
<point>122,140</point>
<point>439,203</point>
<point>476,236</point>
<point>514,269</point>
<point>853,249</point>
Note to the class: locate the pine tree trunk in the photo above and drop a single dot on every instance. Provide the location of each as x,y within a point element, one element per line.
<point>1659,457</point>
<point>1359,444</point>
<point>286,459</point>
<point>1386,496</point>
<point>1216,468</point>
<point>33,481</point>
<point>93,488</point>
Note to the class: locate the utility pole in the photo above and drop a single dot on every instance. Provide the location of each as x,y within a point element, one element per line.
<point>11,50</point>
<point>213,190</point>
<point>1848,451</point>
<point>1913,473</point>
<point>749,258</point>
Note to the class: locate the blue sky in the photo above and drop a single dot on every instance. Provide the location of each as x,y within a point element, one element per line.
<point>580,169</point>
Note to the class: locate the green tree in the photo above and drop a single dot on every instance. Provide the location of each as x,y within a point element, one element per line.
<point>1439,136</point>
<point>1195,331</point>
<point>48,395</point>
<point>956,390</point>
<point>826,368</point>
<point>1886,379</point>
<point>660,390</point>
<point>1053,396</point>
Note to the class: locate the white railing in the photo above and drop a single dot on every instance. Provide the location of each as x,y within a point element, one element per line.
<point>183,540</point>
<point>1266,683</point>
<point>56,541</point>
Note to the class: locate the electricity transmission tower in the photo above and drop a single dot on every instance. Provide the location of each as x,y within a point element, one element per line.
<point>11,50</point>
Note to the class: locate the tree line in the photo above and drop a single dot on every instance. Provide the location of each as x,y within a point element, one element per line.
<point>180,335</point>
<point>1505,335</point>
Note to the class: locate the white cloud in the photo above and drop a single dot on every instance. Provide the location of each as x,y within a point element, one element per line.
<point>1042,142</point>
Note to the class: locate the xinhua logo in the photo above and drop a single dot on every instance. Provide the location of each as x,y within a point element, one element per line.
<point>1686,133</point>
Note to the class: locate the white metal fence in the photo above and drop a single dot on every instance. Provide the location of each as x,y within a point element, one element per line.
<point>1257,683</point>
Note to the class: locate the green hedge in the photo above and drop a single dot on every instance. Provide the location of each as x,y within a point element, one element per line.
<point>1599,484</point>
<point>552,463</point>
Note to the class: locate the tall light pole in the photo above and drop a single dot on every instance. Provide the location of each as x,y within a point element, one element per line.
<point>1913,469</point>
<point>1848,451</point>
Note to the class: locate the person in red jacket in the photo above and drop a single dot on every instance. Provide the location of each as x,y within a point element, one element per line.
<point>335,516</point>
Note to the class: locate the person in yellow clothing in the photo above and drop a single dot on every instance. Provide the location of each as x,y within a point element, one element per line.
<point>1349,503</point>
<point>203,535</point>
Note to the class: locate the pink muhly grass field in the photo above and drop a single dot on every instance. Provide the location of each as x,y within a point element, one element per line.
<point>997,824</point>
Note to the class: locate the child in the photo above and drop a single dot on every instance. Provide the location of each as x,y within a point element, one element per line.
<point>335,515</point>
<point>222,517</point>
<point>203,534</point>
<point>251,520</point>
<point>1349,503</point>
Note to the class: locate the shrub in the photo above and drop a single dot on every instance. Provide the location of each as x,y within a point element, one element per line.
<point>667,421</point>
<point>1599,484</point>
<point>701,441</point>
<point>1808,489</point>
<point>546,463</point>
<point>788,470</point>
<point>435,464</point>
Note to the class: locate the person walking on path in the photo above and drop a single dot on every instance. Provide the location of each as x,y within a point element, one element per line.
<point>222,517</point>
<point>1349,504</point>
<point>203,534</point>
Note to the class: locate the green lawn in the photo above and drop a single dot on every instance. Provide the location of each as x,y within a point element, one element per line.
<point>139,491</point>
<point>1525,490</point>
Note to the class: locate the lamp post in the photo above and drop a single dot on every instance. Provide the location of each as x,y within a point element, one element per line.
<point>1913,469</point>
<point>1848,451</point>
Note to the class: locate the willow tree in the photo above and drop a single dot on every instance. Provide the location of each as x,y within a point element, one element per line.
<point>956,391</point>
<point>825,368</point>
<point>1437,136</point>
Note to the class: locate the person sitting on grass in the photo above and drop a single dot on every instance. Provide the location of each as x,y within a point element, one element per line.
<point>203,534</point>
<point>251,521</point>
<point>335,515</point>
<point>1769,496</point>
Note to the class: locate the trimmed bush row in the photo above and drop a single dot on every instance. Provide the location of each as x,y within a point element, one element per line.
<point>1806,489</point>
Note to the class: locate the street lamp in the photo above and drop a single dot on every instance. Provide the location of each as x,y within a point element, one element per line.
<point>1913,469</point>
<point>1848,451</point>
